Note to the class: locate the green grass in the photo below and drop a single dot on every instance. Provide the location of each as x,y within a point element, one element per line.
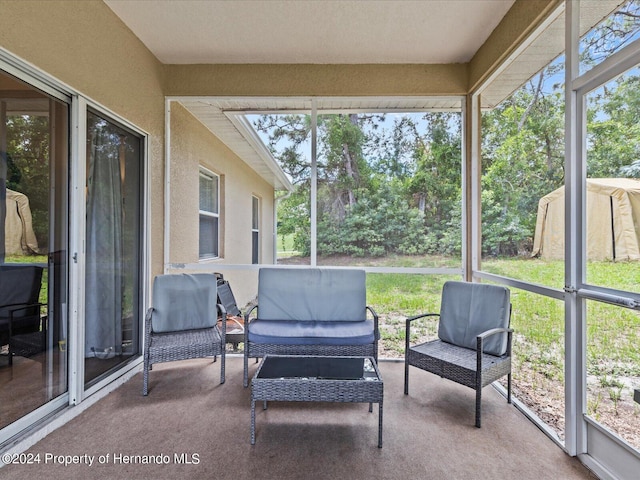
<point>285,246</point>
<point>613,333</point>
<point>405,294</point>
<point>26,259</point>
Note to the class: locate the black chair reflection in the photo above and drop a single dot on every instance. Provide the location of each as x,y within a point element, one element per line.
<point>22,326</point>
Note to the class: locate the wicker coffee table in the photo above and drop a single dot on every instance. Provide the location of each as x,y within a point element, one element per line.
<point>296,378</point>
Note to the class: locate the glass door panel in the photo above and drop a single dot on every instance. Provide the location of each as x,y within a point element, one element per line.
<point>113,243</point>
<point>612,217</point>
<point>613,369</point>
<point>613,184</point>
<point>34,152</point>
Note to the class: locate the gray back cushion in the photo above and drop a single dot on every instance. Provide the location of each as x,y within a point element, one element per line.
<point>19,285</point>
<point>184,302</point>
<point>469,309</point>
<point>312,294</point>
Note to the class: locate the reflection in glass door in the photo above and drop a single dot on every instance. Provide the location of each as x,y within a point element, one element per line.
<point>34,151</point>
<point>113,242</point>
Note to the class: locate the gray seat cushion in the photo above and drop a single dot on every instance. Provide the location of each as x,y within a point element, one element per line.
<point>286,332</point>
<point>312,294</point>
<point>184,302</point>
<point>469,309</point>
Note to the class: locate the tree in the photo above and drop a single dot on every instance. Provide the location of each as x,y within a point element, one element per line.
<point>435,186</point>
<point>367,187</point>
<point>614,129</point>
<point>522,160</point>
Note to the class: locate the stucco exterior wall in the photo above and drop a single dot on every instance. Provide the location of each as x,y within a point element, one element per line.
<point>85,46</point>
<point>192,147</point>
<point>316,80</point>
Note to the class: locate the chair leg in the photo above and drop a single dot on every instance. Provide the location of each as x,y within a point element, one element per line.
<point>478,403</point>
<point>222,365</point>
<point>406,376</point>
<point>245,378</point>
<point>509,388</point>
<point>145,377</point>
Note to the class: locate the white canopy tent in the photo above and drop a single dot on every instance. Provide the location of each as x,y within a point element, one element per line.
<point>613,221</point>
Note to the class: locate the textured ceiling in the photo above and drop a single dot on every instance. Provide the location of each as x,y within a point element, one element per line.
<point>312,31</point>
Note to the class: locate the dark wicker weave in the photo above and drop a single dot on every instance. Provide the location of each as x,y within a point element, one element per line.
<point>30,343</point>
<point>259,350</point>
<point>303,389</point>
<point>468,367</point>
<point>182,345</point>
<point>27,344</point>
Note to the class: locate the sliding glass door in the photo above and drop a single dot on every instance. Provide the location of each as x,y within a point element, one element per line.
<point>34,156</point>
<point>113,246</point>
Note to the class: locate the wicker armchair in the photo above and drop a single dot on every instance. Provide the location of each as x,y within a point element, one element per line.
<point>182,322</point>
<point>474,339</point>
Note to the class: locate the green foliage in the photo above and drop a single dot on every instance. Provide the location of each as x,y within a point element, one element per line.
<point>523,160</point>
<point>380,223</point>
<point>613,129</point>
<point>380,192</point>
<point>396,188</point>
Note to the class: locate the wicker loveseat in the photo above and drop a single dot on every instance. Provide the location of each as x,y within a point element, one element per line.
<point>310,311</point>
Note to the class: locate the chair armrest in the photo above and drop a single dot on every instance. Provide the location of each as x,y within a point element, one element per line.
<point>493,331</point>
<point>407,330</point>
<point>148,326</point>
<point>416,317</point>
<point>375,322</point>
<point>247,315</point>
<point>16,307</point>
<point>223,314</point>
<point>480,340</point>
<point>247,321</point>
<point>147,317</point>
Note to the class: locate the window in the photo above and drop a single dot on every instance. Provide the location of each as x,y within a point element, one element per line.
<point>209,214</point>
<point>255,230</point>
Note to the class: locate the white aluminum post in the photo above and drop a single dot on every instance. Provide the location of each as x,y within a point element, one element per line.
<point>314,181</point>
<point>77,234</point>
<point>473,206</point>
<point>167,186</point>
<point>575,442</point>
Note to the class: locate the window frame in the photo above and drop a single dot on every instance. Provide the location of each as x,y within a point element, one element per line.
<point>255,229</point>
<point>214,177</point>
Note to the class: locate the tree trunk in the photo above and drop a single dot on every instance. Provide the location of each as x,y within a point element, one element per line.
<point>350,172</point>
